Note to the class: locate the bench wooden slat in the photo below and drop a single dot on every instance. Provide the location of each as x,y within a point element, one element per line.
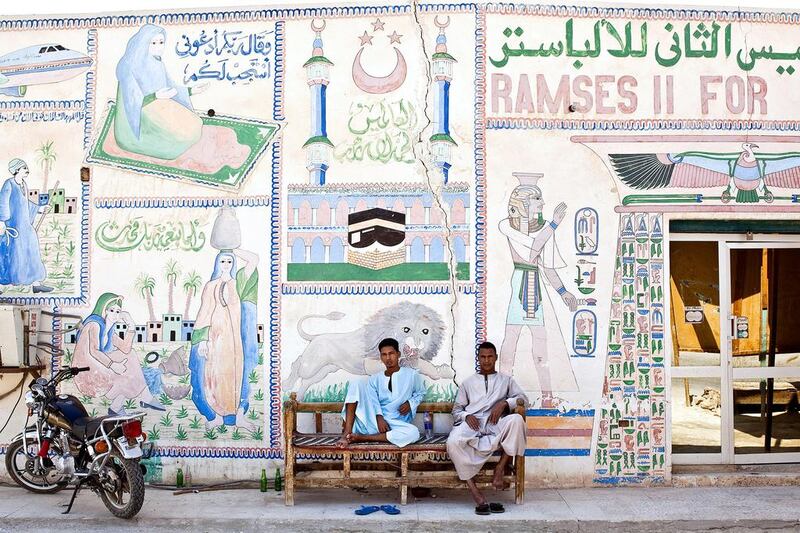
<point>360,473</point>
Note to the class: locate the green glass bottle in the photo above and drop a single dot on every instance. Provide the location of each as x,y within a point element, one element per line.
<point>179,478</point>
<point>278,482</point>
<point>263,480</point>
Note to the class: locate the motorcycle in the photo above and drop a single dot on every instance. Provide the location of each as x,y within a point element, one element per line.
<point>63,445</point>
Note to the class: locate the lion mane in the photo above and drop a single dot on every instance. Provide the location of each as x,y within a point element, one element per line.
<point>391,322</point>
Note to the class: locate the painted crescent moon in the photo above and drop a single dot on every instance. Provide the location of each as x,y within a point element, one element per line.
<point>380,85</point>
<point>440,24</point>
<point>320,28</point>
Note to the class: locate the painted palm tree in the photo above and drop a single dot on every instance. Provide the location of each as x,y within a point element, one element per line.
<point>191,283</point>
<point>171,273</point>
<point>46,157</point>
<point>146,285</point>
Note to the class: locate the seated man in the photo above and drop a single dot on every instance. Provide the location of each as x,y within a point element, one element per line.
<point>382,408</point>
<point>484,422</point>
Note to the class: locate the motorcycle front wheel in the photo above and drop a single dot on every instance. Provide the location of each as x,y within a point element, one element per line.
<point>121,485</point>
<point>27,472</point>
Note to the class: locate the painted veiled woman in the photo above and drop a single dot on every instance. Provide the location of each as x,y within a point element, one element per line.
<point>224,341</point>
<point>115,371</point>
<point>153,115</point>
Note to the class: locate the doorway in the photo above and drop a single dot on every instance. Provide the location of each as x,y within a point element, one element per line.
<point>735,337</point>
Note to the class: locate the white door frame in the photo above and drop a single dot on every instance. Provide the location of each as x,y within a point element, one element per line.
<point>774,242</point>
<point>725,371</point>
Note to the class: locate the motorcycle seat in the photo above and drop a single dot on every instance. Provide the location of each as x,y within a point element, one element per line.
<point>87,426</point>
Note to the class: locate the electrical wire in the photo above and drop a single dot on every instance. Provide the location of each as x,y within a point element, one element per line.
<point>11,414</point>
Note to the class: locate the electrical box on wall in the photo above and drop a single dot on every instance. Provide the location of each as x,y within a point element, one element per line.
<point>12,336</point>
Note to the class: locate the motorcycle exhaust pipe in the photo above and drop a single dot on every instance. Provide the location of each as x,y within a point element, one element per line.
<point>55,419</point>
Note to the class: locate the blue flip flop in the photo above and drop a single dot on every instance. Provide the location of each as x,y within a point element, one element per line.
<point>367,509</point>
<point>390,509</point>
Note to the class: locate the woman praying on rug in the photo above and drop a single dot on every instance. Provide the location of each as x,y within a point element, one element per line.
<point>115,371</point>
<point>153,115</point>
<point>224,341</point>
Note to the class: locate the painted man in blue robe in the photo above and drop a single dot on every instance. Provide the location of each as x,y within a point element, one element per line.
<point>382,408</point>
<point>20,260</point>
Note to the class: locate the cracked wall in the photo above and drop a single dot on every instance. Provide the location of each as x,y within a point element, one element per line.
<point>443,175</point>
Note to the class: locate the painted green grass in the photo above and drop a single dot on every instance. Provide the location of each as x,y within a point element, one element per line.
<point>337,392</point>
<point>348,272</point>
<point>331,393</point>
<point>440,393</point>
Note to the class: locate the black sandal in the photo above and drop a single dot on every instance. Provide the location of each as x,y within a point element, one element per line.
<point>483,509</point>
<point>497,508</point>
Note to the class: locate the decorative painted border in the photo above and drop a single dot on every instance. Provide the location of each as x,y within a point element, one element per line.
<point>495,123</point>
<point>91,86</point>
<point>179,202</point>
<point>223,16</point>
<point>225,452</point>
<point>480,176</point>
<point>279,61</point>
<point>360,288</point>
<point>116,21</point>
<point>275,297</point>
<point>503,8</point>
<point>83,281</point>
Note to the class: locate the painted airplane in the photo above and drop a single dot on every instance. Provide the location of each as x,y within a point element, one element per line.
<point>39,64</point>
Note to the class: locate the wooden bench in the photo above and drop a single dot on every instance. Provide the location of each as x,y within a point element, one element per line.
<point>367,465</point>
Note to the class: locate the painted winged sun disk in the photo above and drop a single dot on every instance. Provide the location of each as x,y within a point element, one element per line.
<point>746,174</point>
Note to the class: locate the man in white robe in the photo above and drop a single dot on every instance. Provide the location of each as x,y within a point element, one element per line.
<point>382,408</point>
<point>484,422</point>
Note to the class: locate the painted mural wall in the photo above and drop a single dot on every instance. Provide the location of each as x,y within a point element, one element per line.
<point>269,193</point>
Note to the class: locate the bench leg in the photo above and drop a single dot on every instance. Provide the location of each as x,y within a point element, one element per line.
<point>288,474</point>
<point>519,481</point>
<point>404,480</point>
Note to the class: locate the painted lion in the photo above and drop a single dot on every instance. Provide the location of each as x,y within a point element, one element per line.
<point>418,329</point>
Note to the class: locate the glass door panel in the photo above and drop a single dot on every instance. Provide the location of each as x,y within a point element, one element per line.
<point>764,334</point>
<point>696,416</point>
<point>694,293</point>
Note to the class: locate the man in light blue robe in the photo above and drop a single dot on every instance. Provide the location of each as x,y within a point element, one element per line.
<point>20,260</point>
<point>382,408</point>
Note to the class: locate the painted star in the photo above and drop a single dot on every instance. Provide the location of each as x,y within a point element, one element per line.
<point>394,38</point>
<point>377,25</point>
<point>366,39</point>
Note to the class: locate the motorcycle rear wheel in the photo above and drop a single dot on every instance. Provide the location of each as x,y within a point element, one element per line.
<point>120,478</point>
<point>16,460</point>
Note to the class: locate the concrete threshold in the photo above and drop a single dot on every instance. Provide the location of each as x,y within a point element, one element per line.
<point>771,475</point>
<point>635,509</point>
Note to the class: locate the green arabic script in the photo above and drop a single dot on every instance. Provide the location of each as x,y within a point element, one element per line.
<point>381,132</point>
<point>139,234</point>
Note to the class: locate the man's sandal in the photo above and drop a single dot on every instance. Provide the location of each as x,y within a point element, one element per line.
<point>483,509</point>
<point>497,508</point>
<point>367,509</point>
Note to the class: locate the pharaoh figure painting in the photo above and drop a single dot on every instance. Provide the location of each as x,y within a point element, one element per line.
<point>536,261</point>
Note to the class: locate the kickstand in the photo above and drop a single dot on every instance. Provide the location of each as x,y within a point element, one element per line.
<point>74,495</point>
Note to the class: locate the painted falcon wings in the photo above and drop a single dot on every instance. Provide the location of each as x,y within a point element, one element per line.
<point>653,171</point>
<point>691,170</point>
